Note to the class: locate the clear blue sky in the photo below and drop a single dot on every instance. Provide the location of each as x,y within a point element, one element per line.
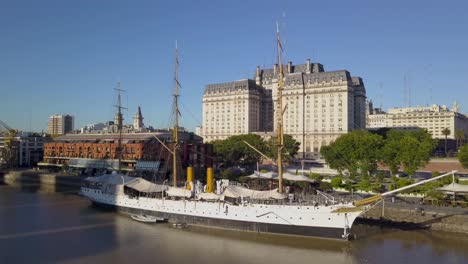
<point>67,56</point>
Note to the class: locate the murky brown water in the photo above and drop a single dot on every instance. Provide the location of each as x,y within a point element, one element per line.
<point>54,227</point>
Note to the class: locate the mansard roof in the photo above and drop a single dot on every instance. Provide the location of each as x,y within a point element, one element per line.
<point>240,85</point>
<point>269,73</point>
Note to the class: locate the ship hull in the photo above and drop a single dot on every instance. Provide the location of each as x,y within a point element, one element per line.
<point>247,226</point>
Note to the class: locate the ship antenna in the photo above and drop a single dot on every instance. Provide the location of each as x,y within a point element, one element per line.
<point>176,118</point>
<point>280,112</point>
<point>119,124</point>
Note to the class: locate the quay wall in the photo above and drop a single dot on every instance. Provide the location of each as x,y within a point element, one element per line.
<point>40,180</point>
<point>427,217</point>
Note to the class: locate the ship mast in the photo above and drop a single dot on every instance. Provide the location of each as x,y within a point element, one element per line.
<point>176,119</point>
<point>279,124</point>
<point>119,124</point>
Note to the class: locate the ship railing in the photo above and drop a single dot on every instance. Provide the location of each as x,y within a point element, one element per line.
<point>300,200</point>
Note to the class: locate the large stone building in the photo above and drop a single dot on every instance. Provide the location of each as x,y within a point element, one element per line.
<point>434,118</point>
<point>319,105</point>
<point>60,124</point>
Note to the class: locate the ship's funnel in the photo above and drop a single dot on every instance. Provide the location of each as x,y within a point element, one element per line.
<point>209,180</point>
<point>189,177</point>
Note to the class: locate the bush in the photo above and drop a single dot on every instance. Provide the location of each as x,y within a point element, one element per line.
<point>336,182</point>
<point>325,186</point>
<point>401,182</point>
<point>243,179</point>
<point>230,174</point>
<point>364,185</point>
<point>435,194</point>
<point>316,176</point>
<point>379,177</point>
<point>377,187</point>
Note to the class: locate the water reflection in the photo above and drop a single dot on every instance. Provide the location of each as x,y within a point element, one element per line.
<point>64,228</point>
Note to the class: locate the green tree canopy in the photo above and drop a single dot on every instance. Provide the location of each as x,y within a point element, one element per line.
<point>233,150</point>
<point>415,150</point>
<point>391,150</point>
<point>355,152</point>
<point>291,146</point>
<point>410,149</point>
<point>463,156</point>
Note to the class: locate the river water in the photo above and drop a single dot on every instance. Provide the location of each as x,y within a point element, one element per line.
<point>38,227</point>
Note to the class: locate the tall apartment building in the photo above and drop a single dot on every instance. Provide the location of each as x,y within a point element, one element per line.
<point>434,118</point>
<point>60,124</point>
<point>319,105</point>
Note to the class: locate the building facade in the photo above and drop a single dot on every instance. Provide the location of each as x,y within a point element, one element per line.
<point>434,118</point>
<point>319,106</point>
<point>100,151</point>
<point>60,124</point>
<point>27,149</point>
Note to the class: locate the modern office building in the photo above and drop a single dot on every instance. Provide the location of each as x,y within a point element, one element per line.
<point>319,105</point>
<point>61,124</point>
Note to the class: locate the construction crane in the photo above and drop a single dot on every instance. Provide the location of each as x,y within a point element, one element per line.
<point>3,124</point>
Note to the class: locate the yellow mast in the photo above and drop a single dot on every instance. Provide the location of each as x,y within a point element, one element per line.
<point>280,112</point>
<point>176,120</point>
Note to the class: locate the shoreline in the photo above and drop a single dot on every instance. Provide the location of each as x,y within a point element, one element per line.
<point>407,217</point>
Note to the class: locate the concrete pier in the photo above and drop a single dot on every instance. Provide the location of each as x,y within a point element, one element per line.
<point>415,216</point>
<point>40,180</point>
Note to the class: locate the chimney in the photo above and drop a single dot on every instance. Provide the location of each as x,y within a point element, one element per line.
<point>308,68</point>
<point>257,73</point>
<point>275,69</point>
<point>289,66</point>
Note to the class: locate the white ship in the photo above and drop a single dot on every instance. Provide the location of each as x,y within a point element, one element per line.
<point>230,207</point>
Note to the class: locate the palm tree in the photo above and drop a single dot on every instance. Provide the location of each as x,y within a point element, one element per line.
<point>445,132</point>
<point>460,137</point>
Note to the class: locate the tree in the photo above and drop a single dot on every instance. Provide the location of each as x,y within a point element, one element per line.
<point>233,150</point>
<point>291,146</point>
<point>460,137</point>
<point>410,149</point>
<point>315,176</point>
<point>336,182</point>
<point>445,132</point>
<point>463,156</point>
<point>391,150</point>
<point>415,150</point>
<point>379,177</point>
<point>355,152</point>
